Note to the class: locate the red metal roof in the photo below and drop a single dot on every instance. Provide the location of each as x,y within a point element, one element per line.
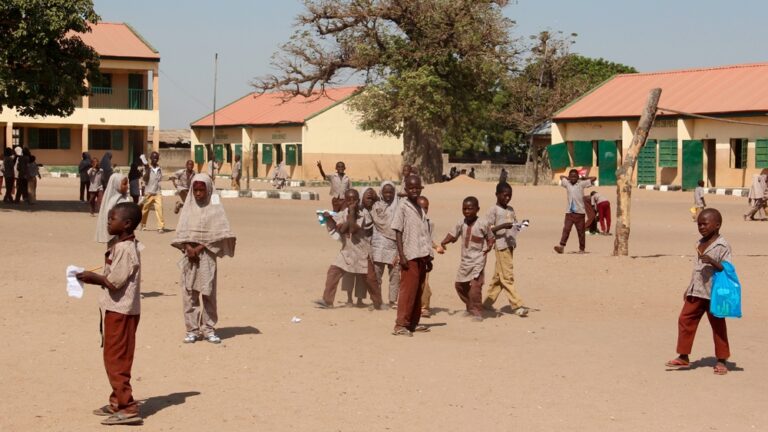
<point>269,108</point>
<point>118,40</point>
<point>726,89</point>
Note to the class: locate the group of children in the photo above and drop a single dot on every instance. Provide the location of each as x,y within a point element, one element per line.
<point>19,172</point>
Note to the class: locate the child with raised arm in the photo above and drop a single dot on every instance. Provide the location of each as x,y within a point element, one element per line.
<point>121,303</point>
<point>203,235</point>
<point>574,214</point>
<point>415,254</point>
<point>355,227</point>
<point>474,235</point>
<point>503,224</point>
<point>384,241</point>
<point>340,184</point>
<point>712,250</point>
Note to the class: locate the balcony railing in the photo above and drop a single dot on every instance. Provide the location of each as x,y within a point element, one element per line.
<point>120,98</point>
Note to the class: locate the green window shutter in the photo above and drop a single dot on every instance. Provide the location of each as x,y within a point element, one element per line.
<point>34,138</point>
<point>290,154</point>
<point>582,153</point>
<point>199,154</point>
<point>299,154</point>
<point>218,152</point>
<point>668,153</point>
<point>239,150</point>
<point>117,139</point>
<point>64,138</point>
<point>761,153</point>
<point>744,147</point>
<point>558,156</point>
<point>266,154</point>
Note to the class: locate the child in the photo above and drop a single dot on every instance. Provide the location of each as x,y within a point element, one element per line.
<point>698,200</point>
<point>415,253</point>
<point>355,226</point>
<point>34,174</point>
<point>121,303</point>
<point>757,194</point>
<point>95,186</point>
<point>116,192</point>
<point>237,172</point>
<point>603,208</point>
<point>575,212</point>
<point>384,241</point>
<point>356,282</point>
<point>712,251</point>
<point>82,170</point>
<point>426,295</point>
<point>183,177</point>
<point>8,162</point>
<point>203,235</point>
<point>502,223</point>
<point>407,171</point>
<point>153,198</point>
<point>475,236</point>
<point>340,184</point>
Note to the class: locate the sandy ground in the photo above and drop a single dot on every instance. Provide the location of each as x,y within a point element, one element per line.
<point>590,357</point>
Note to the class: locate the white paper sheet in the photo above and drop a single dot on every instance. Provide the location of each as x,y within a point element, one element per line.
<point>143,160</point>
<point>74,286</point>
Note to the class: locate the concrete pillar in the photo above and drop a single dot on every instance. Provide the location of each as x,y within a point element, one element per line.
<point>155,89</point>
<point>558,132</point>
<point>84,138</point>
<point>9,134</point>
<point>156,139</point>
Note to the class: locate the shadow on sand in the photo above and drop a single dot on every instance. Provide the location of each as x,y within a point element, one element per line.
<point>151,406</point>
<point>708,362</point>
<point>230,332</point>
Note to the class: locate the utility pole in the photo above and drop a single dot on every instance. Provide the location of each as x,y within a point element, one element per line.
<point>213,132</point>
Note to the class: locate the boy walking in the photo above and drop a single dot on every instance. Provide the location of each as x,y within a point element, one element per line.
<point>712,250</point>
<point>698,200</point>
<point>340,184</point>
<point>153,197</point>
<point>474,237</point>
<point>237,173</point>
<point>574,214</point>
<point>415,252</point>
<point>121,302</point>
<point>502,223</point>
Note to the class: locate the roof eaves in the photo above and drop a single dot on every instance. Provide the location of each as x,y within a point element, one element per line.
<point>231,103</point>
<point>594,89</point>
<point>141,38</point>
<point>333,105</point>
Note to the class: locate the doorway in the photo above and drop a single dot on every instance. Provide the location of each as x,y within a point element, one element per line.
<point>710,152</point>
<point>693,163</point>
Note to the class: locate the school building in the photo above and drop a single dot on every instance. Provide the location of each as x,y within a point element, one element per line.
<point>119,115</point>
<point>725,150</point>
<point>267,129</point>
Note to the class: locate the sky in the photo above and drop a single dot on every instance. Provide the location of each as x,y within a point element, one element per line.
<point>662,35</point>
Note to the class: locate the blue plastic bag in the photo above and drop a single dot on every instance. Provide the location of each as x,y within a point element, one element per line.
<point>725,301</point>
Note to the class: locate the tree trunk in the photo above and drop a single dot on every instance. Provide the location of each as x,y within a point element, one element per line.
<point>423,150</point>
<point>624,174</point>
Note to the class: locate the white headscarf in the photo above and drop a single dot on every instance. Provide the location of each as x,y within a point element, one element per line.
<point>111,198</point>
<point>206,223</point>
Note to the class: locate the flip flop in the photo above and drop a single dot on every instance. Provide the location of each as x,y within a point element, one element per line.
<point>422,329</point>
<point>123,419</point>
<point>322,304</point>
<point>105,411</point>
<point>720,369</point>
<point>677,363</point>
<point>402,331</point>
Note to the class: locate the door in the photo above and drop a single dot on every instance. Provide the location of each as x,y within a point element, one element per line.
<point>693,163</point>
<point>218,152</point>
<point>278,153</point>
<point>199,154</point>
<point>290,154</point>
<point>607,162</point>
<point>646,163</point>
<point>135,91</point>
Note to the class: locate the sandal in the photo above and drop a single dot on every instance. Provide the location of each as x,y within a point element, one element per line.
<point>422,329</point>
<point>212,338</point>
<point>123,419</point>
<point>521,311</point>
<point>190,338</point>
<point>402,331</point>
<point>720,369</point>
<point>105,411</point>
<point>321,304</point>
<point>677,363</point>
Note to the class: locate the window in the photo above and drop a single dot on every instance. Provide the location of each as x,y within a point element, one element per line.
<point>668,154</point>
<point>16,139</point>
<point>761,153</point>
<point>739,152</point>
<point>99,139</point>
<point>48,139</point>
<point>583,152</point>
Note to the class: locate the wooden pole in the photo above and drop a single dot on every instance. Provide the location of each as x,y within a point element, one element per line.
<point>624,174</point>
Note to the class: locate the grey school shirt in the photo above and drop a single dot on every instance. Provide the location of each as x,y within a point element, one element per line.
<point>506,238</point>
<point>355,248</point>
<point>698,196</point>
<point>701,279</point>
<point>152,178</point>
<point>473,239</point>
<point>575,195</point>
<point>339,185</point>
<point>412,223</point>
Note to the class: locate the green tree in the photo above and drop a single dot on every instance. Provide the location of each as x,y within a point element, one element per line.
<point>43,64</point>
<point>425,65</point>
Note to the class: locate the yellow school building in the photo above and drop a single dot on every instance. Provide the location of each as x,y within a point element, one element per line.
<point>119,116</point>
<point>725,149</point>
<point>267,129</point>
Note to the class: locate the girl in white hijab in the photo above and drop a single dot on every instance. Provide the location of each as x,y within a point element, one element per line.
<point>202,235</point>
<point>115,193</point>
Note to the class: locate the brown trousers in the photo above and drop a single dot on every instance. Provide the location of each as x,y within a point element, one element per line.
<point>693,309</point>
<point>472,295</point>
<point>119,345</point>
<point>572,219</point>
<point>411,289</point>
<point>335,274</point>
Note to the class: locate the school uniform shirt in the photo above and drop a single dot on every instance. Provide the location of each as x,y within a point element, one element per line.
<point>123,270</point>
<point>152,178</point>
<point>94,180</point>
<point>339,185</point>
<point>597,199</point>
<point>355,248</point>
<point>183,179</point>
<point>431,230</point>
<point>506,238</point>
<point>383,241</point>
<point>701,279</point>
<point>698,196</point>
<point>473,239</point>
<point>575,195</point>
<point>236,167</point>
<point>411,222</point>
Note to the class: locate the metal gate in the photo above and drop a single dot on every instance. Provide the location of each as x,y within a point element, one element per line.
<point>693,163</point>
<point>607,161</point>
<point>646,163</point>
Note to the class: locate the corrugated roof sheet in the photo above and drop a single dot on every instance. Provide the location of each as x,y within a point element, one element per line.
<point>118,40</point>
<point>270,109</point>
<point>726,89</point>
